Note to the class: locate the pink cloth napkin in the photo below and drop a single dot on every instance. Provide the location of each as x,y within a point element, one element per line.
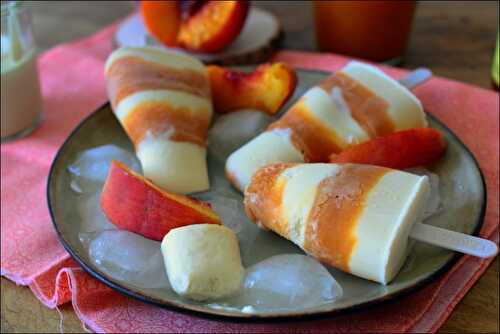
<point>73,86</point>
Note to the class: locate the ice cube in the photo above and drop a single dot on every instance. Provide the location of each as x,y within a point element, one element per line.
<point>230,210</point>
<point>434,204</point>
<point>92,219</point>
<point>228,204</point>
<point>219,184</point>
<point>75,186</point>
<point>288,281</point>
<point>232,130</point>
<point>90,169</point>
<point>129,257</point>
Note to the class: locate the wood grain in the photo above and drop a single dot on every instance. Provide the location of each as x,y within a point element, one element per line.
<point>455,39</point>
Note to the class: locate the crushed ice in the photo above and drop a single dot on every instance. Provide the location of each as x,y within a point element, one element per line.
<point>92,219</point>
<point>288,281</point>
<point>87,174</point>
<point>230,211</point>
<point>232,130</point>
<point>122,255</point>
<point>90,169</point>
<point>129,257</point>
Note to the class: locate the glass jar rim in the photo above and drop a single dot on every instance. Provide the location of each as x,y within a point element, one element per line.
<point>8,6</point>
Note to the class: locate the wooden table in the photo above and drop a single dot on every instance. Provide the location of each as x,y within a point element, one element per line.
<point>453,39</point>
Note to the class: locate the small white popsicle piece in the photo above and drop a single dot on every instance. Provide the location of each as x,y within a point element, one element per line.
<point>452,240</point>
<point>203,261</point>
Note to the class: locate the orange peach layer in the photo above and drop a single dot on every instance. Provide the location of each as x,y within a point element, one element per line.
<point>308,134</point>
<point>265,186</point>
<point>156,118</point>
<point>340,200</point>
<point>129,75</point>
<point>368,109</point>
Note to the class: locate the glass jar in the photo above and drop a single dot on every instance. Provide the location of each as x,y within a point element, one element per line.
<point>373,30</point>
<point>21,101</point>
<point>494,67</point>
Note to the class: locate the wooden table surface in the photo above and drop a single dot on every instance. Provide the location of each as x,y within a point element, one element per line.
<point>454,39</point>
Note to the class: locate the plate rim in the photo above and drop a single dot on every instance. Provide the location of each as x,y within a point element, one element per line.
<point>221,314</point>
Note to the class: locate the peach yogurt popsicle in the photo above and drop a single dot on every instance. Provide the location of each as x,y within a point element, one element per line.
<point>355,104</point>
<point>356,218</point>
<point>162,99</point>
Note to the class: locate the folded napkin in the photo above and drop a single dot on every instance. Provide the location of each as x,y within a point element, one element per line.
<point>73,86</point>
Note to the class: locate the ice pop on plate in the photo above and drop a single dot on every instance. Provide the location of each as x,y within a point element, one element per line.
<point>355,104</point>
<point>162,99</point>
<point>353,217</point>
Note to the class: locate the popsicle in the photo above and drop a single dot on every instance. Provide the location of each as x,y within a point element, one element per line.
<point>203,262</point>
<point>162,100</point>
<point>355,104</point>
<point>356,218</point>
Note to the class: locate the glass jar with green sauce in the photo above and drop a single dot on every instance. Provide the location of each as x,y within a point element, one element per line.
<point>21,102</point>
<point>494,66</point>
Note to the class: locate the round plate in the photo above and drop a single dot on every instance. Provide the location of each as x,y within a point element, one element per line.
<point>462,192</point>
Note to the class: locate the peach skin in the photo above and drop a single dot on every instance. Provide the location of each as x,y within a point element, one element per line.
<point>399,150</point>
<point>266,89</point>
<point>212,25</point>
<point>133,203</point>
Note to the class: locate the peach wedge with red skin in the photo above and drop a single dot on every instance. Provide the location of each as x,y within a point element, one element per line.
<point>397,150</point>
<point>266,89</point>
<point>213,25</point>
<point>133,203</point>
<point>205,26</point>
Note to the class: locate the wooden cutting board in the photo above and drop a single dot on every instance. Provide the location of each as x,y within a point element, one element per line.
<point>258,39</point>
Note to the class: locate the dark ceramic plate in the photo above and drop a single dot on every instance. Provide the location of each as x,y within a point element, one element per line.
<point>462,192</point>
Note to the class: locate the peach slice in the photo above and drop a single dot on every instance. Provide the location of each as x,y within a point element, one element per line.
<point>212,25</point>
<point>162,19</point>
<point>133,203</point>
<point>398,150</point>
<point>266,89</point>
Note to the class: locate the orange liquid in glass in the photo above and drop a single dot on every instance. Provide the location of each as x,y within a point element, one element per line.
<point>374,30</point>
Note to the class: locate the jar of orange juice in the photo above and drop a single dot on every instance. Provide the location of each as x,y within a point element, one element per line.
<point>373,30</point>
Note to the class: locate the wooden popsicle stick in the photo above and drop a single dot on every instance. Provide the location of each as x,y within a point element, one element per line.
<point>452,240</point>
<point>416,77</point>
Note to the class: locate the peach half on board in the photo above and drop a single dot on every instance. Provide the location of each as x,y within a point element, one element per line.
<point>267,88</point>
<point>162,20</point>
<point>133,203</point>
<point>200,26</point>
